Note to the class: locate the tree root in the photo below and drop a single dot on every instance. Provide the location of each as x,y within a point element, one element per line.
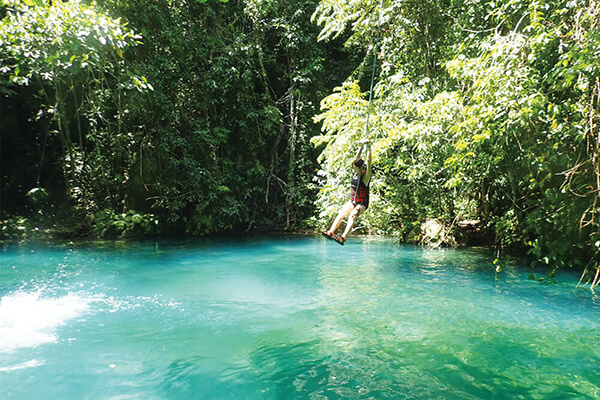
<point>596,278</point>
<point>595,281</point>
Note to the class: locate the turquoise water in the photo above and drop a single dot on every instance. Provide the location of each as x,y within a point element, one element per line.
<point>294,317</point>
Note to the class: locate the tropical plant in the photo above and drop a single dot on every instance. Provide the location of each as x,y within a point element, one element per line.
<point>497,122</point>
<point>63,70</point>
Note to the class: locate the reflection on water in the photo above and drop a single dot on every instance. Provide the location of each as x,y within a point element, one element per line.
<point>288,317</point>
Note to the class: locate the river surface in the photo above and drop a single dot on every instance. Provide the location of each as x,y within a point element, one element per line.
<point>288,317</point>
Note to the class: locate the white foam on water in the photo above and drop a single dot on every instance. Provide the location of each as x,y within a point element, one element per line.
<point>29,319</point>
<point>24,365</point>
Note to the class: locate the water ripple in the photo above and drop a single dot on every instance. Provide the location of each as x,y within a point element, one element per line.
<point>289,318</point>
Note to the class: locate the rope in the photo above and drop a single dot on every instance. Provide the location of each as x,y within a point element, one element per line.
<point>376,45</point>
<point>377,38</point>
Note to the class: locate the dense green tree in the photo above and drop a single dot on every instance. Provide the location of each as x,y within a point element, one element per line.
<point>198,116</point>
<point>64,85</point>
<point>497,122</point>
<point>214,139</point>
<point>226,143</point>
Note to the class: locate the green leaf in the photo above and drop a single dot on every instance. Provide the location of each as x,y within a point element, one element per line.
<point>31,3</point>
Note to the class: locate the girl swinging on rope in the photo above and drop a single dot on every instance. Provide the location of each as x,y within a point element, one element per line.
<point>359,195</point>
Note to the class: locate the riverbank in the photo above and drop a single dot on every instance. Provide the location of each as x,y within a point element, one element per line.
<point>74,224</point>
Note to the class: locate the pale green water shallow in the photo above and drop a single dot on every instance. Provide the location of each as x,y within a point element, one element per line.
<point>290,317</point>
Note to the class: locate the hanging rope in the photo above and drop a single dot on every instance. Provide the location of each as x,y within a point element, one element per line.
<point>366,134</point>
<point>375,47</point>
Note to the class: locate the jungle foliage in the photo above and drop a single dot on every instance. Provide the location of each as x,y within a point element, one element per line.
<point>196,113</point>
<point>149,116</point>
<point>483,110</point>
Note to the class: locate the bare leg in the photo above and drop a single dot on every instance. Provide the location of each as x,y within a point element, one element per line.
<point>351,219</point>
<point>346,209</point>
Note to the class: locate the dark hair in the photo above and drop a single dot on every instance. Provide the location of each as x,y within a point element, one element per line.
<point>359,163</point>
